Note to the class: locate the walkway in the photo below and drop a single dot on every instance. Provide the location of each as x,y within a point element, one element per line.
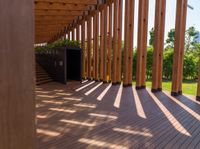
<point>96,115</point>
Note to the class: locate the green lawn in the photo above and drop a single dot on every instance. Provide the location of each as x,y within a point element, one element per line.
<point>189,87</point>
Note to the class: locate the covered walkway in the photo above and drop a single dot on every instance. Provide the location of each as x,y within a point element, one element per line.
<point>96,115</point>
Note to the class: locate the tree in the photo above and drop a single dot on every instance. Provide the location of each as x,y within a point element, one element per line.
<point>190,35</point>
<point>168,63</point>
<point>170,38</point>
<point>152,34</point>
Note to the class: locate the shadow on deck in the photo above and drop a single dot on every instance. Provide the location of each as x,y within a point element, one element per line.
<point>96,115</point>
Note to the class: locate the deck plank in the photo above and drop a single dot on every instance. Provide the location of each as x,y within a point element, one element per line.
<point>67,118</point>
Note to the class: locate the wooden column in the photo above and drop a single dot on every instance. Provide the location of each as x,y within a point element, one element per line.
<point>115,40</point>
<point>159,30</point>
<point>17,75</point>
<point>105,46</point>
<point>89,34</point>
<point>128,47</point>
<point>119,30</point>
<point>78,33</point>
<point>96,45</point>
<point>142,44</point>
<point>198,85</point>
<point>83,49</point>
<point>73,34</point>
<point>109,42</point>
<point>101,45</point>
<point>180,28</point>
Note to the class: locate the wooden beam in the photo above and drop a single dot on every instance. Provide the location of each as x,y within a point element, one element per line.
<point>128,47</point>
<point>60,6</point>
<point>17,76</point>
<point>96,46</point>
<point>109,43</point>
<point>101,44</point>
<point>142,44</point>
<point>105,46</point>
<point>89,34</point>
<point>115,39</point>
<point>78,33</point>
<point>73,34</point>
<point>86,2</point>
<point>159,30</point>
<point>177,75</point>
<point>119,32</point>
<point>58,13</point>
<point>83,49</point>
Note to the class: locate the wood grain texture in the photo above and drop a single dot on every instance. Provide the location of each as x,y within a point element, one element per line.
<point>177,74</point>
<point>17,75</point>
<point>142,43</point>
<point>158,44</point>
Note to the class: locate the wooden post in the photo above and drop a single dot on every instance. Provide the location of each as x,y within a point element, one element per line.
<point>105,46</point>
<point>128,47</point>
<point>89,34</point>
<point>119,32</point>
<point>101,45</point>
<point>78,33</point>
<point>159,31</point>
<point>198,85</point>
<point>177,75</point>
<point>96,45</point>
<point>83,48</point>
<point>17,75</point>
<point>142,44</point>
<point>115,39</point>
<point>73,34</point>
<point>109,43</point>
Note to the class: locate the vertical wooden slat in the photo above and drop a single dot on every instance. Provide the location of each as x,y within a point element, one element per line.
<point>78,33</point>
<point>83,48</point>
<point>73,34</point>
<point>109,42</point>
<point>96,45</point>
<point>158,45</point>
<point>115,40</point>
<point>198,85</point>
<point>119,32</point>
<point>89,34</point>
<point>17,75</point>
<point>180,28</point>
<point>101,45</point>
<point>105,46</point>
<point>142,44</point>
<point>128,47</point>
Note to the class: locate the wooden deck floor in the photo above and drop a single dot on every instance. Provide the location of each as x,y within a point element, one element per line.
<point>95,115</point>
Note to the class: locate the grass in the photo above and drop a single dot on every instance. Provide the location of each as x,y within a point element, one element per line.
<point>189,87</point>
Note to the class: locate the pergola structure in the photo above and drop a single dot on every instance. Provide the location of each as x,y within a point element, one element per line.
<point>97,24</point>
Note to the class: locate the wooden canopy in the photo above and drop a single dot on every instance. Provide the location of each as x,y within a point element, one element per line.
<point>55,17</point>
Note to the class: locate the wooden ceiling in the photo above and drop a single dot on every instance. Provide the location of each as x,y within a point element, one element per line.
<point>54,16</point>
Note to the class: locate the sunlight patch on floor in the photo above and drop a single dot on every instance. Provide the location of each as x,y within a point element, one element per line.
<point>78,123</point>
<point>81,88</point>
<point>84,105</point>
<point>133,132</point>
<point>48,132</point>
<point>175,123</point>
<point>100,97</point>
<point>62,110</point>
<point>186,108</point>
<point>72,98</point>
<point>139,108</point>
<point>101,144</point>
<point>93,89</point>
<point>103,116</point>
<point>118,97</point>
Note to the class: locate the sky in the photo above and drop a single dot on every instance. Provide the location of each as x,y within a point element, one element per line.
<point>193,16</point>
